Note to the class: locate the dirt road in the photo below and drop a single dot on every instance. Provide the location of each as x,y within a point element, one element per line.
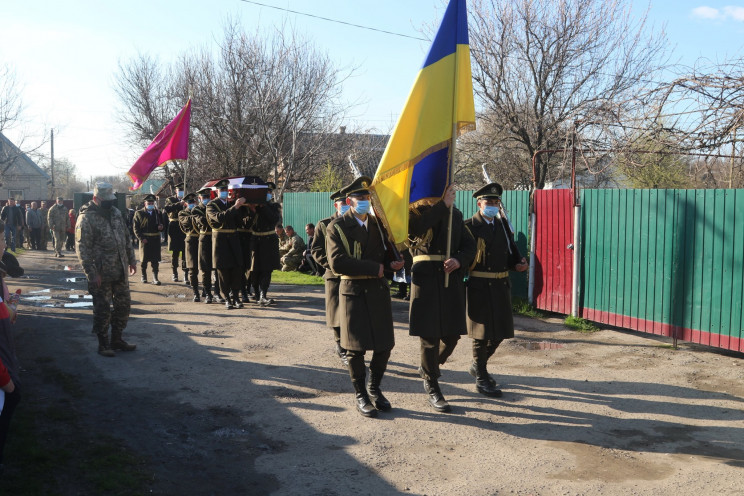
<point>253,401</point>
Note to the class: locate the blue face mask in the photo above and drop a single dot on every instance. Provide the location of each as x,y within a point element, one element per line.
<point>191,205</point>
<point>179,194</point>
<point>490,211</point>
<point>223,195</point>
<point>150,207</point>
<point>205,201</point>
<point>362,207</point>
<point>268,196</point>
<point>344,208</point>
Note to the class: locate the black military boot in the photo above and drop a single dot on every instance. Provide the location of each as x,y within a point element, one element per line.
<point>186,277</point>
<point>264,301</point>
<point>104,348</point>
<point>155,279</point>
<point>119,344</point>
<point>196,296</point>
<point>209,298</point>
<point>473,370</point>
<point>244,294</point>
<point>144,277</point>
<point>174,277</point>
<point>484,383</point>
<point>342,354</point>
<point>363,405</point>
<point>236,300</point>
<point>436,399</point>
<point>375,394</point>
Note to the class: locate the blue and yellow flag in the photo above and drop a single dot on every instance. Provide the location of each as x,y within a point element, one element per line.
<point>415,167</point>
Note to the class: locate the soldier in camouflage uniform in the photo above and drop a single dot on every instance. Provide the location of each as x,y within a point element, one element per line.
<point>293,258</point>
<point>107,257</point>
<point>59,221</point>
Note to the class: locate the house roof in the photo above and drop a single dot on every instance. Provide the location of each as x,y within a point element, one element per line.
<point>16,158</point>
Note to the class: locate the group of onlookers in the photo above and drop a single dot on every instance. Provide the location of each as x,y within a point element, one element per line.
<point>32,226</point>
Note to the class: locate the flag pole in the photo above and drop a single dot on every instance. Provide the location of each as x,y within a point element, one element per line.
<point>451,165</point>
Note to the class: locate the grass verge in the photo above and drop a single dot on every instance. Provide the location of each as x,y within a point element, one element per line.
<point>295,277</point>
<point>521,307</point>
<point>579,324</point>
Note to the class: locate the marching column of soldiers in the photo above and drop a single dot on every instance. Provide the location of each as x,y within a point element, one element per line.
<point>464,292</point>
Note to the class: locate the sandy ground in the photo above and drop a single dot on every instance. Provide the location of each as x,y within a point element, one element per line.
<point>254,401</point>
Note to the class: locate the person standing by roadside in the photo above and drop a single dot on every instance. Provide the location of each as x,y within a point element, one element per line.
<point>489,307</point>
<point>437,311</point>
<point>33,220</point>
<point>355,245</point>
<point>70,244</point>
<point>107,257</point>
<point>147,225</point>
<point>58,222</point>
<point>44,213</point>
<point>11,215</point>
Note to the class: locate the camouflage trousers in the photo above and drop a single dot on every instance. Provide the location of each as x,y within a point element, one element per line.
<point>290,263</point>
<point>110,293</point>
<point>60,235</point>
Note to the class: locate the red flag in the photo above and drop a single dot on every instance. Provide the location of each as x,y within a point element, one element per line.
<point>172,143</point>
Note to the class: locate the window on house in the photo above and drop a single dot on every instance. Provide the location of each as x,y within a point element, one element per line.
<point>15,193</point>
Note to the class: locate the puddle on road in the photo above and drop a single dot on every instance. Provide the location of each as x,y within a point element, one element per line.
<point>30,277</point>
<point>48,290</point>
<point>75,279</point>
<point>77,296</point>
<point>82,304</point>
<point>36,298</point>
<point>538,345</point>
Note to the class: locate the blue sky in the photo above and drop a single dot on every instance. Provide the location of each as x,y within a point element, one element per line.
<point>65,54</point>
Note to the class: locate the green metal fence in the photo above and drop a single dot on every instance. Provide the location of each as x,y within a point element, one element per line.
<point>300,209</point>
<point>667,262</point>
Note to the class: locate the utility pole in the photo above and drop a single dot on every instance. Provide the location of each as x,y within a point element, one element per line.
<point>52,164</point>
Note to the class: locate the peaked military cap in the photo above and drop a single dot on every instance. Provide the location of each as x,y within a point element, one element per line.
<point>492,190</point>
<point>60,198</point>
<point>336,196</point>
<point>204,192</point>
<point>151,198</point>
<point>190,198</point>
<point>270,185</point>
<point>104,191</point>
<point>360,186</point>
<point>179,186</point>
<point>222,184</point>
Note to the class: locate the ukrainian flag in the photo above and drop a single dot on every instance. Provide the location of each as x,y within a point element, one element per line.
<point>415,167</point>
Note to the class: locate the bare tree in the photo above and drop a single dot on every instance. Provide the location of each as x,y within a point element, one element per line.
<point>547,69</point>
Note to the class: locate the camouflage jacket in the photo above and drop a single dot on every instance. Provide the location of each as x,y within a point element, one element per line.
<point>103,245</point>
<point>294,246</point>
<point>58,217</point>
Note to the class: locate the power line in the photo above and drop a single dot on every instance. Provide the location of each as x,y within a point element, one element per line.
<point>328,19</point>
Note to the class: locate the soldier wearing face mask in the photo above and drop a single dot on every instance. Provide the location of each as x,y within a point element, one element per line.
<point>318,250</point>
<point>187,221</point>
<point>264,247</point>
<point>147,225</point>
<point>205,246</point>
<point>176,239</point>
<point>107,258</point>
<point>59,221</point>
<point>489,307</point>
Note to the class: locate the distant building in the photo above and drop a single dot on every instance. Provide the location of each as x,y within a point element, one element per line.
<point>20,177</point>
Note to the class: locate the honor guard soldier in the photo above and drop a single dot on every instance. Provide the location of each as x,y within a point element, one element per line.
<point>226,254</point>
<point>437,313</point>
<point>147,225</point>
<point>244,235</point>
<point>356,250</point>
<point>489,307</point>
<point>187,221</point>
<point>264,247</point>
<point>176,237</point>
<point>205,245</point>
<point>318,249</point>
<point>107,258</point>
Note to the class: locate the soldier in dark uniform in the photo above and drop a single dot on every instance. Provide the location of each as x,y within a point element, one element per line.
<point>244,235</point>
<point>176,237</point>
<point>318,249</point>
<point>186,219</point>
<point>437,313</point>
<point>147,225</point>
<point>226,254</point>
<point>264,247</point>
<point>489,307</point>
<point>355,246</point>
<point>205,245</point>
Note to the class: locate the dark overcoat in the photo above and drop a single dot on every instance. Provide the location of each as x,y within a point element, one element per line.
<point>489,305</point>
<point>366,316</point>
<point>224,220</point>
<point>264,241</point>
<point>145,226</point>
<point>176,237</point>
<point>318,250</point>
<point>437,311</point>
<point>186,219</point>
<point>205,238</point>
<point>244,235</point>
